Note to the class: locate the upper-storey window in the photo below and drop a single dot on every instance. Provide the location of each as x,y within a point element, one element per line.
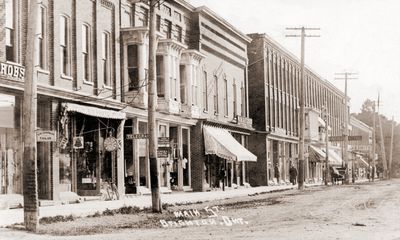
<point>42,40</point>
<point>205,90</point>
<point>143,16</point>
<point>105,58</point>
<point>158,23</point>
<point>226,96</point>
<point>160,76</point>
<point>167,29</point>
<point>178,33</point>
<point>242,100</point>
<point>234,98</point>
<point>194,87</point>
<point>64,46</point>
<point>216,109</point>
<point>86,52</point>
<point>10,33</point>
<point>133,73</point>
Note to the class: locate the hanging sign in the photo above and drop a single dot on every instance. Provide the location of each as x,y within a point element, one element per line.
<point>162,152</point>
<point>110,144</point>
<point>78,143</point>
<point>45,136</point>
<point>163,141</point>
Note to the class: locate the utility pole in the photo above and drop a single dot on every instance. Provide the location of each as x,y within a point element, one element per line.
<point>346,123</point>
<point>325,112</point>
<point>373,142</point>
<point>391,149</point>
<point>382,145</point>
<point>30,186</point>
<point>152,98</point>
<point>301,101</point>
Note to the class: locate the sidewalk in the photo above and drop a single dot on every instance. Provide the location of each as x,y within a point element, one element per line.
<point>11,216</point>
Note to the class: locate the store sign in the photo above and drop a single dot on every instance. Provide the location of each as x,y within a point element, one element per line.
<point>78,142</point>
<point>110,144</point>
<point>137,136</point>
<point>341,138</point>
<point>162,152</point>
<point>12,71</point>
<point>45,136</point>
<point>163,141</point>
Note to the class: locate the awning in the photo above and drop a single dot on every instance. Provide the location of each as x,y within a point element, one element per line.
<point>333,157</point>
<point>220,142</point>
<point>322,123</point>
<point>94,111</point>
<point>361,160</point>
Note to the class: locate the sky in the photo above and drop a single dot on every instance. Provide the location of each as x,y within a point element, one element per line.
<point>361,36</point>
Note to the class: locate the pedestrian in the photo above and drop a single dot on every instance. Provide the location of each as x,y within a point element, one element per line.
<point>277,173</point>
<point>293,174</point>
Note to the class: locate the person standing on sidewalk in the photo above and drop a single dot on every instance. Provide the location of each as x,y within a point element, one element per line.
<point>277,172</point>
<point>293,174</point>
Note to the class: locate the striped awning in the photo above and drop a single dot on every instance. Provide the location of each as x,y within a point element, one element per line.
<point>333,157</point>
<point>220,142</point>
<point>94,111</point>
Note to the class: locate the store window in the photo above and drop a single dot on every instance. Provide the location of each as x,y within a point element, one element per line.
<point>194,87</point>
<point>10,145</point>
<point>143,159</point>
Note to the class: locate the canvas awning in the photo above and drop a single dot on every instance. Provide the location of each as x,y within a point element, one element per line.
<point>94,111</point>
<point>362,161</point>
<point>333,157</point>
<point>220,142</point>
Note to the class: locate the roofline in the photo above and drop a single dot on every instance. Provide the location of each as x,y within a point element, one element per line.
<point>212,14</point>
<point>295,59</point>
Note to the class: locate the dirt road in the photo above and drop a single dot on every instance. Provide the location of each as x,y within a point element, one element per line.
<point>365,211</point>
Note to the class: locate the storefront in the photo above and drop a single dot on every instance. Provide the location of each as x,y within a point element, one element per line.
<point>10,144</point>
<point>225,158</point>
<point>173,153</point>
<point>90,149</point>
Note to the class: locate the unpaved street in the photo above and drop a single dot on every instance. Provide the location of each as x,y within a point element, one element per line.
<point>364,211</point>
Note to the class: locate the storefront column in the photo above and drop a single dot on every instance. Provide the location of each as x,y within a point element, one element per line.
<point>120,159</point>
<point>284,161</point>
<point>180,167</point>
<point>55,154</point>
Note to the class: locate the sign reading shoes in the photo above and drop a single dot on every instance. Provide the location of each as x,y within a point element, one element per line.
<point>12,71</point>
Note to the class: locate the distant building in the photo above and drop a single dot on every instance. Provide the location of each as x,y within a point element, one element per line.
<point>274,75</point>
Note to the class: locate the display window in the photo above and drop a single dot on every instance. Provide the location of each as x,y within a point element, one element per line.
<point>10,144</point>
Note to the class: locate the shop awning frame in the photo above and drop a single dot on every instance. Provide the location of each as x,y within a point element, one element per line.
<point>94,111</point>
<point>333,157</point>
<point>220,142</point>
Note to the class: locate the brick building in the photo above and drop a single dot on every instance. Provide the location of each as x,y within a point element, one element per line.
<point>274,75</point>
<point>91,66</point>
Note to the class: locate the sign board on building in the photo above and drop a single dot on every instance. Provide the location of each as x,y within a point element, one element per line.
<point>78,142</point>
<point>163,141</point>
<point>162,152</point>
<point>12,71</point>
<point>45,136</point>
<point>137,136</point>
<point>341,138</point>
